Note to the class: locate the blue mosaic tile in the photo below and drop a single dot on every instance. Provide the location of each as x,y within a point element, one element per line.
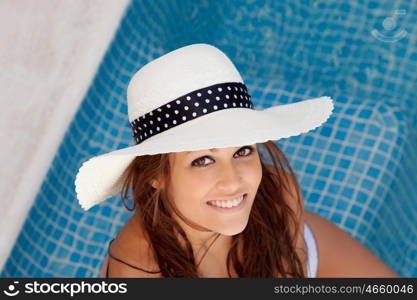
<point>357,170</point>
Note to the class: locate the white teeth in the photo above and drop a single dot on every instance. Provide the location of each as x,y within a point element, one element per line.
<point>228,203</point>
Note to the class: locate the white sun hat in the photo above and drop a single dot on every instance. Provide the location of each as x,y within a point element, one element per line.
<point>192,98</point>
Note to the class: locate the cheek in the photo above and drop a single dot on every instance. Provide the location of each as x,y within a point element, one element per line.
<point>253,173</point>
<point>190,191</point>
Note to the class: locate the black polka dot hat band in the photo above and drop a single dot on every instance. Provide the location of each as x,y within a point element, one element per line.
<point>198,103</point>
<point>192,98</point>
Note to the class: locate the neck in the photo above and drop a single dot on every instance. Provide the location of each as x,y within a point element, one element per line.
<point>205,244</point>
<point>210,249</point>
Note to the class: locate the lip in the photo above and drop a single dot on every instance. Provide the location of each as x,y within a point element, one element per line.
<point>230,209</point>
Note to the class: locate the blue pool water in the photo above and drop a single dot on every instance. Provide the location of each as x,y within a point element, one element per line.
<point>358,169</point>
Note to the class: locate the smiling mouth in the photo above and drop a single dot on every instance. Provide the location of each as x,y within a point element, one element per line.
<point>227,203</point>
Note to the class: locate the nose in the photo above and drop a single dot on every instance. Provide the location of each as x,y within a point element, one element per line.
<point>229,179</point>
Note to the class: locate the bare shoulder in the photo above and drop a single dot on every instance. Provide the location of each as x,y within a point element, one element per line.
<point>341,255</point>
<point>131,247</point>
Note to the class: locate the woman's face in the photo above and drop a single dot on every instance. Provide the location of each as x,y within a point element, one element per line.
<point>216,174</point>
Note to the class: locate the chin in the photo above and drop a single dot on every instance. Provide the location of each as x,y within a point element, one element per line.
<point>234,230</point>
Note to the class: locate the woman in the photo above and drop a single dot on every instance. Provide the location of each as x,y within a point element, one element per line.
<point>206,203</point>
<point>232,171</point>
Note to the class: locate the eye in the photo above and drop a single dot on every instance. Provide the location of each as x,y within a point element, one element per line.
<point>197,161</point>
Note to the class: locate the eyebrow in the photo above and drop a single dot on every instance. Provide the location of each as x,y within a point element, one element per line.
<point>212,149</point>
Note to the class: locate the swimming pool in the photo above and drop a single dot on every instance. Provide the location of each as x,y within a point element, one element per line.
<point>357,170</point>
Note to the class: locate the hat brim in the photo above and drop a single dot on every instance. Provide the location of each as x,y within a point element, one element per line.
<point>99,177</point>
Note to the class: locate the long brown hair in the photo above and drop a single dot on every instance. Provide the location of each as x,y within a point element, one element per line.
<point>268,243</point>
